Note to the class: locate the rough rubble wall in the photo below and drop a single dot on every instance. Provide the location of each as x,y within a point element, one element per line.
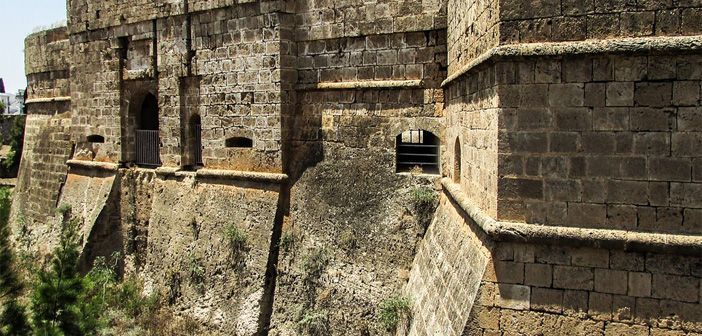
<point>446,274</point>
<point>472,112</point>
<point>550,290</point>
<point>87,194</point>
<point>190,260</point>
<point>135,204</point>
<point>342,253</point>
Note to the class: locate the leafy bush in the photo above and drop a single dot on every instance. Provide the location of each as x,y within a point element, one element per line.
<point>393,310</point>
<point>314,322</point>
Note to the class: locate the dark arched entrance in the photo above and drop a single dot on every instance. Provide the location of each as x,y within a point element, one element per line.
<point>147,137</point>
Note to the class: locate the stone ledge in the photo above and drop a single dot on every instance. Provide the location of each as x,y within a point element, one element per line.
<point>619,45</point>
<point>357,85</point>
<point>93,165</point>
<point>223,174</point>
<point>242,175</point>
<point>48,100</point>
<point>559,235</point>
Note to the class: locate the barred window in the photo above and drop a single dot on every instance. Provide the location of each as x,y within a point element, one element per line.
<point>417,151</point>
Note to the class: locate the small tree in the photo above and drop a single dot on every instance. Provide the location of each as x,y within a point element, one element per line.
<point>55,297</point>
<point>16,142</point>
<point>13,320</point>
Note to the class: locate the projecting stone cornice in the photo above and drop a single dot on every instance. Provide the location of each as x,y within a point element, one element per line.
<point>619,45</point>
<point>560,235</point>
<point>48,100</point>
<point>359,85</point>
<point>93,165</point>
<point>224,174</point>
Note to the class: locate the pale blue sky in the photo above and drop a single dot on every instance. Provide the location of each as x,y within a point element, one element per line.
<point>16,22</point>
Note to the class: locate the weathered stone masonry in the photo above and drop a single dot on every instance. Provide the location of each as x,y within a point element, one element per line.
<point>569,135</point>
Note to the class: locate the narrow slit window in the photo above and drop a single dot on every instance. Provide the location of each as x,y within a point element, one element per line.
<point>417,152</point>
<point>94,138</point>
<point>457,161</point>
<point>238,142</point>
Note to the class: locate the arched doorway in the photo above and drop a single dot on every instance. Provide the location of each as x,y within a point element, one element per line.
<point>147,134</point>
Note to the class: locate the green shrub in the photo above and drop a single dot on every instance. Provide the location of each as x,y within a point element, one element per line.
<point>315,322</point>
<point>393,310</point>
<point>57,292</point>
<point>315,261</point>
<point>13,318</point>
<point>16,142</point>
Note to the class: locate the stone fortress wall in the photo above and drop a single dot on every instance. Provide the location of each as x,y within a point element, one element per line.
<point>569,203</point>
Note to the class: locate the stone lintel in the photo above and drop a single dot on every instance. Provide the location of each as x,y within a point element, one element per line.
<point>581,237</point>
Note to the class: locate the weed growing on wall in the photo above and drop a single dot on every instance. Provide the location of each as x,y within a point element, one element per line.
<point>424,202</point>
<point>423,197</point>
<point>314,262</point>
<point>348,241</point>
<point>287,241</point>
<point>236,238</point>
<point>394,310</point>
<point>315,322</point>
<point>196,271</point>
